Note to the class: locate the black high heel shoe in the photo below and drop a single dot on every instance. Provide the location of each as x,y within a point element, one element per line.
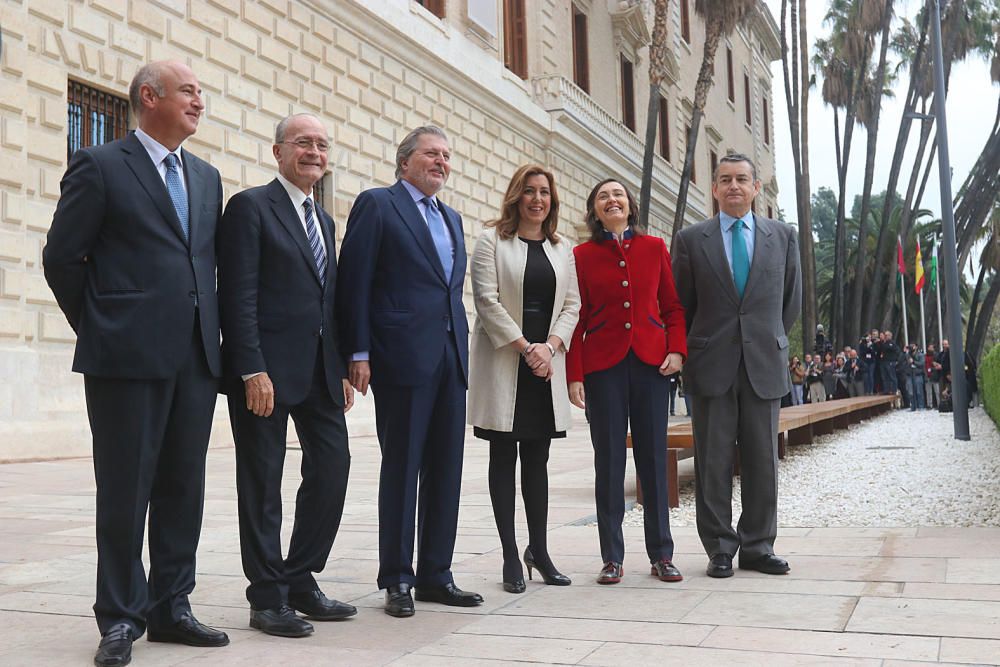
<point>552,577</point>
<point>513,583</point>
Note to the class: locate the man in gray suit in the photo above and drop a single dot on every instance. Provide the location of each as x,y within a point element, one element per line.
<point>737,275</point>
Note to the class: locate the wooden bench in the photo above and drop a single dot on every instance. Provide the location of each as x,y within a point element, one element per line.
<point>797,425</point>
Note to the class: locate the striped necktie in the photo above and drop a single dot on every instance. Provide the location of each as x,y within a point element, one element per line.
<point>315,242</point>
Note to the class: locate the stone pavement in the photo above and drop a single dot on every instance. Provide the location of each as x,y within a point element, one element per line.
<point>855,596</point>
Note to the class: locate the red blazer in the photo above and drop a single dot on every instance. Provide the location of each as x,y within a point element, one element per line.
<point>628,302</point>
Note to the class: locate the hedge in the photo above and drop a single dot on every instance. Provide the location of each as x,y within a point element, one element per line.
<point>989,378</point>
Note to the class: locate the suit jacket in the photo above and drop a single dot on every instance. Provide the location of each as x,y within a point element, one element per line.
<point>628,302</point>
<point>274,307</point>
<point>498,289</point>
<point>721,327</point>
<point>120,267</point>
<point>393,298</point>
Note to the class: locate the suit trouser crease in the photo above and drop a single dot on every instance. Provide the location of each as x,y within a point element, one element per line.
<point>421,432</point>
<point>740,418</point>
<point>150,438</point>
<point>319,506</point>
<point>630,393</point>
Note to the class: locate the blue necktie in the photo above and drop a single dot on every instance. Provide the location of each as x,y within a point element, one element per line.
<point>177,194</point>
<point>440,235</point>
<point>741,260</point>
<point>315,242</point>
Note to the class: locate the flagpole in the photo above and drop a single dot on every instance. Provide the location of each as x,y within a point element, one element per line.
<point>902,301</point>
<point>937,287</point>
<point>923,330</point>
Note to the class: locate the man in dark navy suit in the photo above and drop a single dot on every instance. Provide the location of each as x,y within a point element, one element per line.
<point>130,258</point>
<point>402,266</point>
<point>277,280</point>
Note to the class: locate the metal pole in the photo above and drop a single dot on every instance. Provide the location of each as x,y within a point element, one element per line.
<point>923,327</point>
<point>902,303</point>
<point>959,395</point>
<point>937,287</point>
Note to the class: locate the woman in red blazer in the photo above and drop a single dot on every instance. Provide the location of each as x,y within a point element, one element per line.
<point>630,337</point>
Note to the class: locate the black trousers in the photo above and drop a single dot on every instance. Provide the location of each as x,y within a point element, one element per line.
<point>421,430</point>
<point>630,393</point>
<point>319,503</point>
<point>150,438</point>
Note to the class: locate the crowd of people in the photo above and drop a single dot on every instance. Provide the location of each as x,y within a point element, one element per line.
<point>878,365</point>
<point>151,269</point>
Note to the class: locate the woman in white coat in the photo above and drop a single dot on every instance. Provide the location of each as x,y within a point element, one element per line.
<point>527,305</point>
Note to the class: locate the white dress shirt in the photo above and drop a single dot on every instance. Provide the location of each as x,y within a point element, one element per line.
<point>158,153</point>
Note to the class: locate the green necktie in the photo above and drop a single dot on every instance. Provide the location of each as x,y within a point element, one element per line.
<point>741,260</point>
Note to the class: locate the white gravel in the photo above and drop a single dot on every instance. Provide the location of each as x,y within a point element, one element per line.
<point>901,469</point>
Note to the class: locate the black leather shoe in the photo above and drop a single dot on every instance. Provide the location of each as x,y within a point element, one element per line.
<point>189,631</point>
<point>611,573</point>
<point>450,595</point>
<point>664,570</point>
<point>115,648</point>
<point>550,575</point>
<point>720,566</point>
<point>398,601</point>
<point>768,564</point>
<point>280,622</point>
<point>316,606</point>
<point>514,586</point>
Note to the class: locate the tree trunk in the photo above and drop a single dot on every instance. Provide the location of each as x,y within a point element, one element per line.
<point>657,46</point>
<point>860,268</point>
<point>645,192</point>
<point>713,33</point>
<point>985,315</point>
<point>971,324</point>
<point>978,194</point>
<point>897,165</point>
<point>807,255</point>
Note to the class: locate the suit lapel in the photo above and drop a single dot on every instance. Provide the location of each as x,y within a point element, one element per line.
<point>137,160</point>
<point>195,192</point>
<point>410,215</point>
<point>715,254</point>
<point>762,248</point>
<point>457,240</point>
<point>286,214</point>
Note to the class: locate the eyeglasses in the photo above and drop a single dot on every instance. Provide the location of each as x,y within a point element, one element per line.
<point>306,144</point>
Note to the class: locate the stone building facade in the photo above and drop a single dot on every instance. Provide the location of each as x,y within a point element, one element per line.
<point>560,82</point>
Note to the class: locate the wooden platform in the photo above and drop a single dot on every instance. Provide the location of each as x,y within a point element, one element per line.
<point>797,425</point>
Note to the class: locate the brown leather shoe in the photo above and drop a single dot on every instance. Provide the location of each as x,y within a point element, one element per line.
<point>664,570</point>
<point>611,573</point>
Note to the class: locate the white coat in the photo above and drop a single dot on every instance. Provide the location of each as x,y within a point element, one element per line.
<point>497,288</point>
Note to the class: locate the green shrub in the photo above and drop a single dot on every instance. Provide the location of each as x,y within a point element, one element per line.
<point>989,379</point>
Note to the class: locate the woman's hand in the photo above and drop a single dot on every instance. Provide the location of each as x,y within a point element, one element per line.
<point>576,395</point>
<point>539,359</point>
<point>672,363</point>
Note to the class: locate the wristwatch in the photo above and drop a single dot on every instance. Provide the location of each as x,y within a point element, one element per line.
<point>552,350</point>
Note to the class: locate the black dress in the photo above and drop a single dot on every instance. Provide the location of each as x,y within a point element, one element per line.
<point>533,415</point>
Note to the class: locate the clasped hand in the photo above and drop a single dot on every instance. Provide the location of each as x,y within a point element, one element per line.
<point>539,359</point>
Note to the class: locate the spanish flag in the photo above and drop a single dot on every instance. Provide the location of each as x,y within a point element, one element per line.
<point>920,269</point>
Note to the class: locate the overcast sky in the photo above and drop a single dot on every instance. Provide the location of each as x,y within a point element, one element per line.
<point>971,108</point>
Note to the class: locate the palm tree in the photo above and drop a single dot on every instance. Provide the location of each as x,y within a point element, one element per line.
<point>797,101</point>
<point>869,113</point>
<point>967,27</point>
<point>657,69</point>
<point>721,18</point>
<point>844,62</point>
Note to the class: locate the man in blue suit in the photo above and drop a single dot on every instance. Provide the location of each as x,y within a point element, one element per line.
<point>130,259</point>
<point>399,298</point>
